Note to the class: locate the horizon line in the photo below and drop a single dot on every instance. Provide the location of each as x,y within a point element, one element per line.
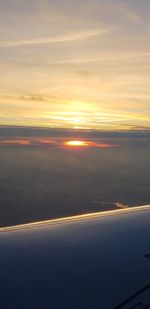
<point>134,129</point>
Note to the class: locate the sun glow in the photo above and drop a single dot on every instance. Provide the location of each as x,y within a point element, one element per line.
<point>93,144</point>
<point>77,143</point>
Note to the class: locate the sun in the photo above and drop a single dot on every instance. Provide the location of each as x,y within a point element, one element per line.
<point>76,143</point>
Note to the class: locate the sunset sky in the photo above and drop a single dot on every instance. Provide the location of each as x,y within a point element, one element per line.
<point>76,64</point>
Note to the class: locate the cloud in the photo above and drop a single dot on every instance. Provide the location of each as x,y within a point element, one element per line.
<point>127,12</point>
<point>16,142</point>
<point>75,56</point>
<point>57,142</point>
<point>32,98</point>
<point>64,38</point>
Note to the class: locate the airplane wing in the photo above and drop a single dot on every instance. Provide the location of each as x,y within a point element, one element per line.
<point>92,261</point>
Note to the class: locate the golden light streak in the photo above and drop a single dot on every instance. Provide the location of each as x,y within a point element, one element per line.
<point>81,143</point>
<point>73,219</point>
<point>15,142</point>
<point>57,142</point>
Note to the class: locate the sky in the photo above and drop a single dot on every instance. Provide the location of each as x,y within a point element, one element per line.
<point>75,64</point>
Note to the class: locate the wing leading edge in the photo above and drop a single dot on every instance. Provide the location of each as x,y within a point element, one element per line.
<point>97,261</point>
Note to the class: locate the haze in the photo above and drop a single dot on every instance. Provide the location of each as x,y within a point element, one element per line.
<point>75,64</point>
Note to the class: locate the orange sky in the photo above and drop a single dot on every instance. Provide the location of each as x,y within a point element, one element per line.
<point>75,64</point>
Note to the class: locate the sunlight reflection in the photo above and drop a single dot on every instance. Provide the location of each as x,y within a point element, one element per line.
<point>77,143</point>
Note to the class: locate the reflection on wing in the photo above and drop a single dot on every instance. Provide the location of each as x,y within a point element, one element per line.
<point>97,261</point>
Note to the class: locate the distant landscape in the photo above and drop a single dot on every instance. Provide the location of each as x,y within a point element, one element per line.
<point>44,180</point>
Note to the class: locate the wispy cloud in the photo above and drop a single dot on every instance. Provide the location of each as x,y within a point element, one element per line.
<point>128,12</point>
<point>64,38</point>
<point>33,98</point>
<point>57,142</point>
<point>90,58</point>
